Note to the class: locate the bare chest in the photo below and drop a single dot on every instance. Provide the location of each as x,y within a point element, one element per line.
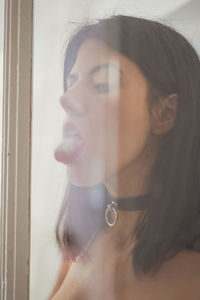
<point>108,275</point>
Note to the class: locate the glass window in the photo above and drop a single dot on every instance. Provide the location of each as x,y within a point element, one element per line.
<point>53,25</point>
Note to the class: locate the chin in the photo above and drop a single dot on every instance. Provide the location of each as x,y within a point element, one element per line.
<point>86,173</point>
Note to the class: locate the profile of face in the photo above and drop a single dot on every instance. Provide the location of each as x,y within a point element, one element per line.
<point>106,100</point>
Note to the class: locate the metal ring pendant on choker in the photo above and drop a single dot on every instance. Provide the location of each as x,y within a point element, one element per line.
<point>140,202</point>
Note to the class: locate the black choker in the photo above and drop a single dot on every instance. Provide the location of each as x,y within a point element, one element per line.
<point>99,199</point>
<point>139,202</point>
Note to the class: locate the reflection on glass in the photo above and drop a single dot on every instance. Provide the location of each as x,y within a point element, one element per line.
<point>125,141</point>
<point>136,135</point>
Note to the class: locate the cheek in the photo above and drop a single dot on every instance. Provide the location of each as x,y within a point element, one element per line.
<point>128,132</point>
<point>134,130</point>
<point>117,131</point>
<point>103,126</point>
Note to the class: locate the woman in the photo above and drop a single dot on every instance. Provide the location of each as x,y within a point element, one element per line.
<point>129,224</point>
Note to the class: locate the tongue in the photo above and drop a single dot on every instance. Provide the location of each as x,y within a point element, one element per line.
<point>68,151</point>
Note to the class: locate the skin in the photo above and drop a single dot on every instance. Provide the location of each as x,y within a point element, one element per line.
<point>108,274</point>
<point>125,150</point>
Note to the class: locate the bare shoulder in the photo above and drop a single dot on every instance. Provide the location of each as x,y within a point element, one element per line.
<point>180,276</point>
<point>177,279</point>
<point>191,278</point>
<point>186,265</point>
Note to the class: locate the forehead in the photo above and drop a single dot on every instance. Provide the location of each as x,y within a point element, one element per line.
<point>94,52</point>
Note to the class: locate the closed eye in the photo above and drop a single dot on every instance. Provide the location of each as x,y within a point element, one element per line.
<point>102,87</point>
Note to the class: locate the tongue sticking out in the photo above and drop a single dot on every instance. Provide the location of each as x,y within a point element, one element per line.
<point>68,151</point>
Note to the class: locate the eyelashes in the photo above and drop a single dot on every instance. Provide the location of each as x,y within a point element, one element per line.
<point>101,88</point>
<point>101,83</point>
<point>103,78</point>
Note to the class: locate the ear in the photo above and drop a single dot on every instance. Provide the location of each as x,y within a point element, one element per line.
<point>163,114</point>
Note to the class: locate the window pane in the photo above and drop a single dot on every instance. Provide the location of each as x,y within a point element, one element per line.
<point>53,24</point>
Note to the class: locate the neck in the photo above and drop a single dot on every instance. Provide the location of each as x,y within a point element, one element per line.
<point>133,179</point>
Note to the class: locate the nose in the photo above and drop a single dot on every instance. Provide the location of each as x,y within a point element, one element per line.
<point>72,101</point>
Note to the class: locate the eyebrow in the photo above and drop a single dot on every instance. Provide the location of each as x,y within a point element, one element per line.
<point>98,68</point>
<point>105,66</point>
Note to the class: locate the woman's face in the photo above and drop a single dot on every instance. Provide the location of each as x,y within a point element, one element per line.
<point>106,100</point>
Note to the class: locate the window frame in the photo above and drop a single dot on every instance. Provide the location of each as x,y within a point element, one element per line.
<point>16,150</point>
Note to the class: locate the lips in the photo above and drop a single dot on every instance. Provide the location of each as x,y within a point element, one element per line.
<point>69,128</point>
<point>71,146</point>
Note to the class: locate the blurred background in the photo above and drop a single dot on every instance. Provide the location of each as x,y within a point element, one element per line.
<point>53,22</point>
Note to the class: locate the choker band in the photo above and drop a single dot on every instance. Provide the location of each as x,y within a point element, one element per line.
<point>140,202</point>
